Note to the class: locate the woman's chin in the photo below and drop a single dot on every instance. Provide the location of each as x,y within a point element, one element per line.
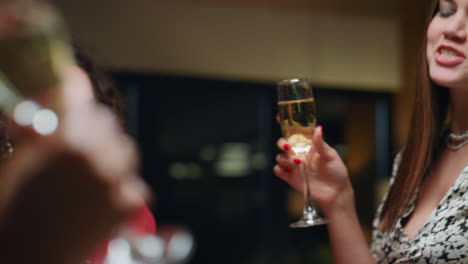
<point>451,83</point>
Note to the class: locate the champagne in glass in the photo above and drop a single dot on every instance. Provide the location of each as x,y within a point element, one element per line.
<point>296,106</point>
<point>297,119</point>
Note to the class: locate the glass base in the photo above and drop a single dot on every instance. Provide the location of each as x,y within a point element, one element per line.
<point>308,221</point>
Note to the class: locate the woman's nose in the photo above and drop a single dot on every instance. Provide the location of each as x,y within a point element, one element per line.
<point>456,28</point>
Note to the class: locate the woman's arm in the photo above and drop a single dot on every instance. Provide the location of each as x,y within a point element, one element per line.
<point>348,243</point>
<point>331,188</point>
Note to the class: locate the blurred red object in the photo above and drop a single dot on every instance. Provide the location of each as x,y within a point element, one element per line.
<point>142,223</point>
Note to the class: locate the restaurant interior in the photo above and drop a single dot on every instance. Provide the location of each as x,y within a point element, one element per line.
<point>199,78</point>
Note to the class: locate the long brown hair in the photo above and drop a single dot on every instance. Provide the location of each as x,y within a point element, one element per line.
<point>429,111</point>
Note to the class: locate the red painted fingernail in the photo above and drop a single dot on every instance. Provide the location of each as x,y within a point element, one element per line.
<point>278,118</point>
<point>297,161</point>
<point>287,147</point>
<point>288,170</point>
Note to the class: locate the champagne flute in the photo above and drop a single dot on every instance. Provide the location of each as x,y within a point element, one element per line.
<point>34,54</point>
<point>296,106</point>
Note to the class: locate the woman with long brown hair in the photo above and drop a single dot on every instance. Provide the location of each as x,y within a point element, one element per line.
<point>423,218</point>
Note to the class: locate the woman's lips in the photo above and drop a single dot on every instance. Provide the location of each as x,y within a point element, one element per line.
<point>448,56</point>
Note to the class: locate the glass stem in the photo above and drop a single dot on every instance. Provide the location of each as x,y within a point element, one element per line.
<point>308,211</point>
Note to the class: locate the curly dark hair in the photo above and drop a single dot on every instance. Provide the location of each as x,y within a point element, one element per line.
<point>103,88</point>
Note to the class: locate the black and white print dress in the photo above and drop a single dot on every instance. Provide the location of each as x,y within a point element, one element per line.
<point>443,238</point>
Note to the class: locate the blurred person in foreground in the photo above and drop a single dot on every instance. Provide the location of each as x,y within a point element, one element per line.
<point>62,195</point>
<point>93,89</point>
<point>423,218</point>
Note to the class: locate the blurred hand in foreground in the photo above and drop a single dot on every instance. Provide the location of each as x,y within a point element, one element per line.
<point>61,194</point>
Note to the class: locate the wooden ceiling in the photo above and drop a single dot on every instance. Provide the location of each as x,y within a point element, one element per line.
<point>388,8</point>
<point>354,7</point>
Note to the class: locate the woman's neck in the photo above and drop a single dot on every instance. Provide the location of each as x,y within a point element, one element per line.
<point>459,102</point>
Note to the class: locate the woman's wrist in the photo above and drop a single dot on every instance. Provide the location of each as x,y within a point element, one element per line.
<point>342,204</point>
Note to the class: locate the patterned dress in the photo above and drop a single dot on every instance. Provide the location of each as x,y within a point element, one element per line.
<point>443,238</point>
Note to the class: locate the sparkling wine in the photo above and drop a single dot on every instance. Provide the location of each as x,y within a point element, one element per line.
<point>297,119</point>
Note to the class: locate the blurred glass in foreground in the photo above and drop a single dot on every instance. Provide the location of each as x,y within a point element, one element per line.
<point>34,53</point>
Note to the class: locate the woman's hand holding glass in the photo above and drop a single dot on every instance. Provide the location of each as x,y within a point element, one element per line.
<point>328,177</point>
